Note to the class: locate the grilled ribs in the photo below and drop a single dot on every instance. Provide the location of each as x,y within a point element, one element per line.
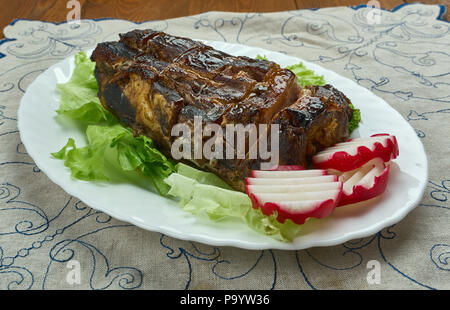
<point>151,81</point>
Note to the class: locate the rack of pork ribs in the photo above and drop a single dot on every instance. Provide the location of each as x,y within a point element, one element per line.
<point>152,80</point>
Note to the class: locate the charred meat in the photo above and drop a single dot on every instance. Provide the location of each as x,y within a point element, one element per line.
<point>152,81</point>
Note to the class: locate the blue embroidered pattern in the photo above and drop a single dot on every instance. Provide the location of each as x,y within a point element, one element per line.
<point>410,44</point>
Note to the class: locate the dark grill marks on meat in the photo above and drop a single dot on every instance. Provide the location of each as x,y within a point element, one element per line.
<point>316,120</point>
<point>152,81</point>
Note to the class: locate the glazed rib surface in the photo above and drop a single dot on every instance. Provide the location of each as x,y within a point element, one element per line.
<point>152,81</point>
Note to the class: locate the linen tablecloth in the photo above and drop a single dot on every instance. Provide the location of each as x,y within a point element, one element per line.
<point>404,58</point>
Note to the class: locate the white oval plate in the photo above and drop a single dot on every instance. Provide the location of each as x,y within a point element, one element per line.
<point>42,134</point>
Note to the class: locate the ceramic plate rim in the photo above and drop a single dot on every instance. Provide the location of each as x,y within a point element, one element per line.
<point>267,244</point>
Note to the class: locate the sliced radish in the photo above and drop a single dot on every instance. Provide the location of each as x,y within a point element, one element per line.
<point>292,189</point>
<point>291,181</point>
<point>287,173</point>
<point>355,153</point>
<point>300,211</point>
<point>365,182</point>
<point>294,194</point>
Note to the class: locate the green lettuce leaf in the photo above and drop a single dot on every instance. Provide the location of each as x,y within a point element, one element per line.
<point>262,57</point>
<point>201,192</point>
<point>115,145</point>
<point>201,176</point>
<point>90,113</point>
<point>305,76</point>
<point>355,120</point>
<point>79,100</point>
<point>82,86</point>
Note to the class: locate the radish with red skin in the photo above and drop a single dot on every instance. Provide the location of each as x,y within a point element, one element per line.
<point>320,209</point>
<point>287,173</point>
<point>298,194</point>
<point>291,181</point>
<point>364,183</point>
<point>294,194</point>
<point>296,188</point>
<point>355,153</point>
<point>300,207</point>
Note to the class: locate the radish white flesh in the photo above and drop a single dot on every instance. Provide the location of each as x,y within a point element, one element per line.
<point>299,206</point>
<point>364,183</point>
<point>356,177</point>
<point>287,174</point>
<point>368,180</point>
<point>294,194</point>
<point>291,181</point>
<point>257,189</point>
<point>278,197</point>
<point>355,153</point>
<point>351,146</point>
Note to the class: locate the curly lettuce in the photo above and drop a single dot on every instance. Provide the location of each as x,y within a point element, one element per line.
<point>355,120</point>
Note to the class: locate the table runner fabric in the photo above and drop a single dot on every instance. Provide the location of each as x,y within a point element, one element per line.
<point>404,59</point>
